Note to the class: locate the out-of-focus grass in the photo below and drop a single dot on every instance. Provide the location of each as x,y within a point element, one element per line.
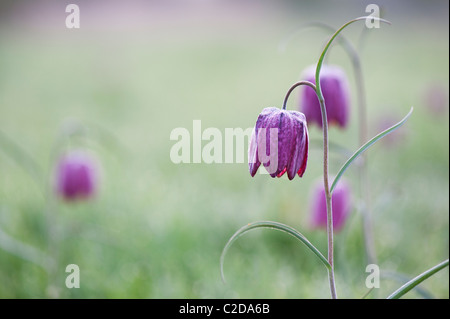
<point>156,229</point>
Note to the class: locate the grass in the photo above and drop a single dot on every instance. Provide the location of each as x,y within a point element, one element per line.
<point>157,229</point>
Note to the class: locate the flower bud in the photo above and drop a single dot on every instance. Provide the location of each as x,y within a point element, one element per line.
<point>340,203</point>
<point>280,142</point>
<point>336,94</point>
<point>76,176</point>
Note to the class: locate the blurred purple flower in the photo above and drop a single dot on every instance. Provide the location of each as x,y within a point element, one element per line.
<point>435,98</point>
<point>341,205</point>
<point>76,175</point>
<point>280,142</point>
<point>336,93</point>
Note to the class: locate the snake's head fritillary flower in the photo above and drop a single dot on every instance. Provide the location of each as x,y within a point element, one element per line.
<point>335,91</point>
<point>280,142</point>
<point>76,175</point>
<point>340,203</point>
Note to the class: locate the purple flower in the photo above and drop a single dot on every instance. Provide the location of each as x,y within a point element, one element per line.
<point>76,175</point>
<point>435,99</point>
<point>336,93</point>
<point>340,203</point>
<point>280,142</point>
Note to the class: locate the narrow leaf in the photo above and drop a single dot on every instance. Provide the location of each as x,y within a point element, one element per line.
<point>366,146</point>
<point>271,225</point>
<point>417,280</point>
<point>21,157</point>
<point>402,279</point>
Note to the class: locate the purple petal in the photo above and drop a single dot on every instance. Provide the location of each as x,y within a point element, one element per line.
<point>254,162</point>
<point>336,93</point>
<point>76,176</point>
<point>341,205</point>
<point>285,136</point>
<point>295,152</point>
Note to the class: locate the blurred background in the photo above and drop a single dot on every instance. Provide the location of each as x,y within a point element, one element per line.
<point>136,70</point>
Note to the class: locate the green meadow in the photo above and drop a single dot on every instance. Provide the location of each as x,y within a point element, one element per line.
<point>156,229</point>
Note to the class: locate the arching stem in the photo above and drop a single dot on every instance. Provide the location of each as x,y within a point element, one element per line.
<point>307,83</point>
<point>325,155</point>
<point>369,242</point>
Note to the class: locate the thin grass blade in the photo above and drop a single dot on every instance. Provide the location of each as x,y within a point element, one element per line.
<point>21,157</point>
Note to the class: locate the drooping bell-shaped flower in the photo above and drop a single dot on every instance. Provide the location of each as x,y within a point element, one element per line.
<point>280,142</point>
<point>76,175</point>
<point>340,203</point>
<point>336,93</point>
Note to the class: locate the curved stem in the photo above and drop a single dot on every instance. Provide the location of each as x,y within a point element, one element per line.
<point>369,241</point>
<point>325,151</point>
<point>307,83</point>
<point>327,46</point>
<point>325,174</point>
<point>272,225</point>
<point>328,197</point>
<point>326,181</point>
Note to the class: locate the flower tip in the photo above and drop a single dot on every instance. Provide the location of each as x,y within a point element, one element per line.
<point>279,142</point>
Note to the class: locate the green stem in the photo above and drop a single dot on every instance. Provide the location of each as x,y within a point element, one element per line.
<point>307,83</point>
<point>327,46</point>
<point>325,154</point>
<point>325,175</point>
<point>327,196</point>
<point>362,117</point>
<point>330,238</point>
